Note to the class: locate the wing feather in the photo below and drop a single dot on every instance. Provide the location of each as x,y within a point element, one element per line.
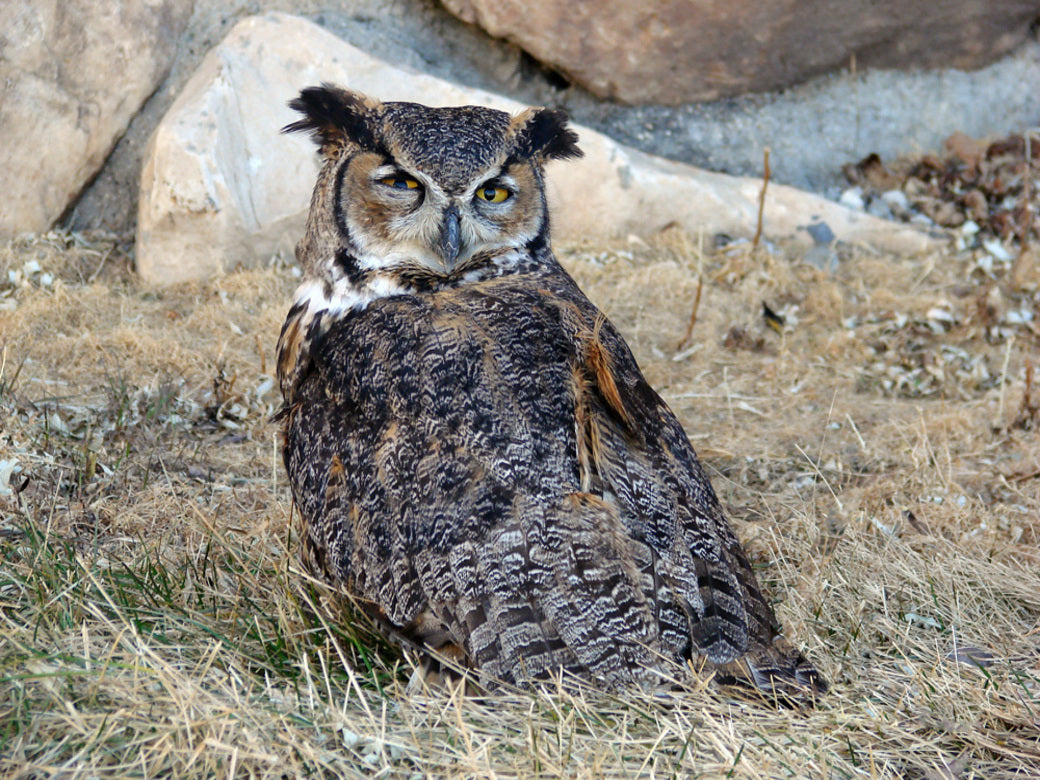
<point>632,446</point>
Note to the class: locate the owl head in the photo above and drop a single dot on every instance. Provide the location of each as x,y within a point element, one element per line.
<point>410,195</point>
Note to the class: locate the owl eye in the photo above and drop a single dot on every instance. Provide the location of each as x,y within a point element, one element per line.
<point>493,194</point>
<point>400,182</point>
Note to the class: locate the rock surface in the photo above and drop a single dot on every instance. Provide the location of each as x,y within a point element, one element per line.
<point>72,75</point>
<point>812,129</point>
<point>222,187</point>
<point>677,51</point>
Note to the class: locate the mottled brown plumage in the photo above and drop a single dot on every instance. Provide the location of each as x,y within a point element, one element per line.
<point>474,452</point>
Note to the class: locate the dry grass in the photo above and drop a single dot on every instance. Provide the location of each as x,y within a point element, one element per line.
<point>879,455</point>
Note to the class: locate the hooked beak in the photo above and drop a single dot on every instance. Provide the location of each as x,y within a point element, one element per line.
<point>449,244</point>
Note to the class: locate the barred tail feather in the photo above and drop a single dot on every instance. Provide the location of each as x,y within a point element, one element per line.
<point>778,671</point>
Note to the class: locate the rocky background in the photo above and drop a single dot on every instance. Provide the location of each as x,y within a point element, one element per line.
<point>161,116</point>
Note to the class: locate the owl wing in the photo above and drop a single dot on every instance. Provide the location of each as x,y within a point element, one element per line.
<point>631,447</point>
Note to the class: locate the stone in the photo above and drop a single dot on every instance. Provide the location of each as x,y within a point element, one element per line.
<point>222,187</point>
<point>72,75</point>
<point>820,233</point>
<point>677,51</point>
<point>853,199</point>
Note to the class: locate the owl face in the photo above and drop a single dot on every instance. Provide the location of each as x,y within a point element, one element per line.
<point>411,196</point>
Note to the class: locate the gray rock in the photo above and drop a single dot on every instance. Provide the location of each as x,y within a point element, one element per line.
<point>675,51</point>
<point>879,208</point>
<point>896,202</point>
<point>852,198</point>
<point>222,187</point>
<point>72,74</point>
<point>812,129</point>
<point>820,233</point>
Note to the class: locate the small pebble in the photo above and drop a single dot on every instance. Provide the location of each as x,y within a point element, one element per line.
<point>852,198</point>
<point>896,201</point>
<point>878,208</point>
<point>995,248</point>
<point>820,233</point>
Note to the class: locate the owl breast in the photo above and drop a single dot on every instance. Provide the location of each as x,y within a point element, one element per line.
<point>455,402</point>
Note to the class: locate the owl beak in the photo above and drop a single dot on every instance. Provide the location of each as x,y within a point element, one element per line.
<point>449,244</point>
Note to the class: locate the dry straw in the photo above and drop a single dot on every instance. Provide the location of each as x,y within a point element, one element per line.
<point>153,620</point>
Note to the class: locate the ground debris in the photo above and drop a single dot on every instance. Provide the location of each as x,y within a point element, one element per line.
<point>988,189</point>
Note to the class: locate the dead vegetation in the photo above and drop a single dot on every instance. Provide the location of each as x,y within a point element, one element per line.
<point>985,188</point>
<point>877,443</point>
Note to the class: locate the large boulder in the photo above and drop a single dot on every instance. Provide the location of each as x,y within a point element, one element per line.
<point>72,75</point>
<point>680,51</point>
<point>222,187</point>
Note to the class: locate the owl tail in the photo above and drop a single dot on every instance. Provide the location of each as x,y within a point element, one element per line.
<point>778,671</point>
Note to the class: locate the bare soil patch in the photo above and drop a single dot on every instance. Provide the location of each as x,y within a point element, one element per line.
<point>877,445</point>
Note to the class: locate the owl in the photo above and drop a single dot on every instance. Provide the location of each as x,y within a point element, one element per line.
<point>477,459</point>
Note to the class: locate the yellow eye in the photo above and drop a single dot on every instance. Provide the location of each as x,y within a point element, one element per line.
<point>493,194</point>
<point>400,182</point>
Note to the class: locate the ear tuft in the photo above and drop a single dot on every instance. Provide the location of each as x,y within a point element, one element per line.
<point>544,134</point>
<point>335,116</point>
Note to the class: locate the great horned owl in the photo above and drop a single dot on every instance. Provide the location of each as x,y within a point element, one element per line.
<point>475,454</point>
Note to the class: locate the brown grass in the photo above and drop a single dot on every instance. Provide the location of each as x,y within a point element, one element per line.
<point>876,456</point>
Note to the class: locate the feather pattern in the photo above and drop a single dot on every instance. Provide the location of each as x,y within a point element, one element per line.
<point>475,454</point>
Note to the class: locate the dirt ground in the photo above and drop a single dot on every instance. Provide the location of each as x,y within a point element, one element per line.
<point>876,441</point>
